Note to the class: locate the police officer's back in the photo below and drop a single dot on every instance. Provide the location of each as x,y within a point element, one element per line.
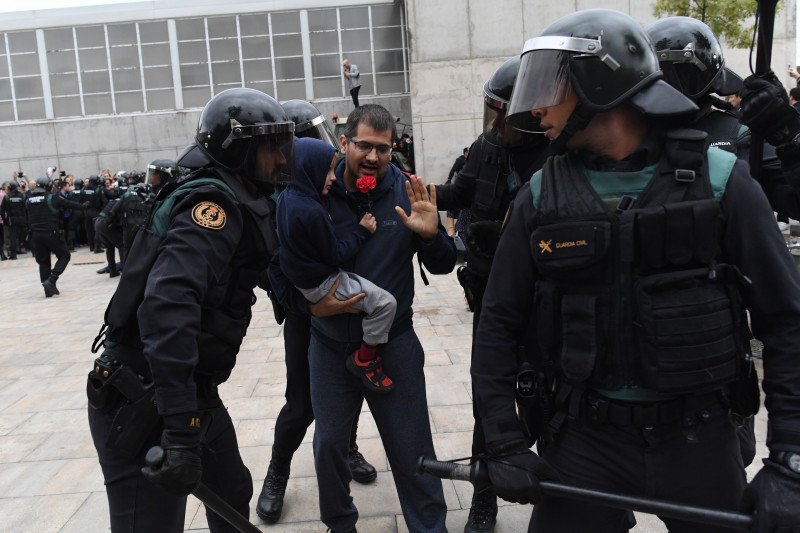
<point>13,212</point>
<point>44,215</point>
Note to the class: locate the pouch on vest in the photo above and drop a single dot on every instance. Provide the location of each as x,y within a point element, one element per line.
<point>560,250</point>
<point>686,330</point>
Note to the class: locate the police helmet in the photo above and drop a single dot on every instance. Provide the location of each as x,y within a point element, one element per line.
<point>234,127</point>
<point>43,182</point>
<point>691,57</point>
<point>12,186</point>
<point>604,56</point>
<point>160,172</point>
<point>309,122</point>
<point>496,95</point>
<point>94,181</point>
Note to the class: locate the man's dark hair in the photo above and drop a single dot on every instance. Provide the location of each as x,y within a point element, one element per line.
<point>795,93</point>
<point>466,150</point>
<point>375,116</point>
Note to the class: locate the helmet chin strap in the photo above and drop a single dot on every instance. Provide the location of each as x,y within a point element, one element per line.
<point>578,120</point>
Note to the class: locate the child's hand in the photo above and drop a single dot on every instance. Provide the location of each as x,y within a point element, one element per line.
<point>368,221</point>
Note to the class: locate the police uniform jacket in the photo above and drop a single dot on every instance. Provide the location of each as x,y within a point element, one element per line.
<point>198,295</point>
<point>749,240</point>
<point>12,209</point>
<point>45,210</point>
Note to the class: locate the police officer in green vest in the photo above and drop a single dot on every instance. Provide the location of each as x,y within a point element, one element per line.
<point>178,317</point>
<point>628,261</point>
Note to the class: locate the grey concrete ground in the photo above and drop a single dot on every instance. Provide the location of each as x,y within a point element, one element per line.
<point>49,477</point>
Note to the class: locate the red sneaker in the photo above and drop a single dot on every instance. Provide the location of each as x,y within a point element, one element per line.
<point>371,373</point>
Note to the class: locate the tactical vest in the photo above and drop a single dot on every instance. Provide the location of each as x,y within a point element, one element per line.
<point>16,208</point>
<point>223,324</point>
<point>135,208</point>
<point>638,297</point>
<point>503,171</point>
<point>42,216</point>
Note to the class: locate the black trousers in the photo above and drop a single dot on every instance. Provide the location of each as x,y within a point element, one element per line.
<point>354,94</point>
<point>88,223</point>
<point>110,238</point>
<point>17,235</point>
<point>699,465</point>
<point>45,243</point>
<point>138,506</point>
<point>297,413</point>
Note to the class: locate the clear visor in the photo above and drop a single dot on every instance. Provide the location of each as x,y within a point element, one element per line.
<point>498,132</point>
<point>542,81</point>
<point>153,177</point>
<point>272,158</point>
<point>318,129</point>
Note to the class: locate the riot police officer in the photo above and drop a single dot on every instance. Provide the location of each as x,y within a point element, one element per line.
<point>12,210</point>
<point>108,230</point>
<point>615,258</point>
<point>501,161</point>
<point>691,58</point>
<point>44,214</point>
<point>297,414</point>
<point>92,193</point>
<point>205,245</point>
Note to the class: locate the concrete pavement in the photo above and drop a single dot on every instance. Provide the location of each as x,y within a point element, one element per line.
<point>50,480</point>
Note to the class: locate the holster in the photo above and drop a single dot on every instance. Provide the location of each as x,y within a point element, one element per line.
<point>534,404</point>
<point>474,285</point>
<point>278,310</point>
<point>112,385</point>
<point>744,395</point>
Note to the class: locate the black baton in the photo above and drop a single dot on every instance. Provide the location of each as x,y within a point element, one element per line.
<point>212,500</point>
<point>477,474</point>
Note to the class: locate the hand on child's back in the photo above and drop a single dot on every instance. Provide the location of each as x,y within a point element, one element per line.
<point>368,221</point>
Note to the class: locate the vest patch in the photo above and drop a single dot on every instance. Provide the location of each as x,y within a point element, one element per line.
<point>209,215</point>
<point>574,242</point>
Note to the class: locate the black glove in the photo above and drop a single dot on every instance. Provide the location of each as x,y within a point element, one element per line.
<point>481,240</point>
<point>515,472</point>
<point>765,108</point>
<point>85,205</point>
<point>774,495</point>
<point>181,470</point>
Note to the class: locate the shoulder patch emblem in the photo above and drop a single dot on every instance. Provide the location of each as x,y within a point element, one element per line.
<point>209,215</point>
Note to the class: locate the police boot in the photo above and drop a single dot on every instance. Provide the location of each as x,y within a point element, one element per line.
<point>483,513</point>
<point>270,501</point>
<point>362,471</point>
<point>50,286</point>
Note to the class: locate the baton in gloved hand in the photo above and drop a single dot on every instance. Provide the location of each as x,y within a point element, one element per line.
<point>765,18</point>
<point>154,458</point>
<point>477,473</point>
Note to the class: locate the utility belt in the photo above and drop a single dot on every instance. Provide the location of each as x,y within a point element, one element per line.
<point>603,410</point>
<point>55,232</point>
<point>114,387</point>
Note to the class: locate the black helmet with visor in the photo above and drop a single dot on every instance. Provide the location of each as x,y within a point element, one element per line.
<point>691,57</point>
<point>605,57</point>
<point>309,122</point>
<point>160,172</point>
<point>235,127</point>
<point>496,95</point>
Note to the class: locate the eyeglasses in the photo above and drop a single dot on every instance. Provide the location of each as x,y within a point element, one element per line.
<point>364,147</point>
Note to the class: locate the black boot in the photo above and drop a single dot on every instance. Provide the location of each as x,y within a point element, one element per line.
<point>50,286</point>
<point>362,471</point>
<point>270,501</point>
<point>483,513</point>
